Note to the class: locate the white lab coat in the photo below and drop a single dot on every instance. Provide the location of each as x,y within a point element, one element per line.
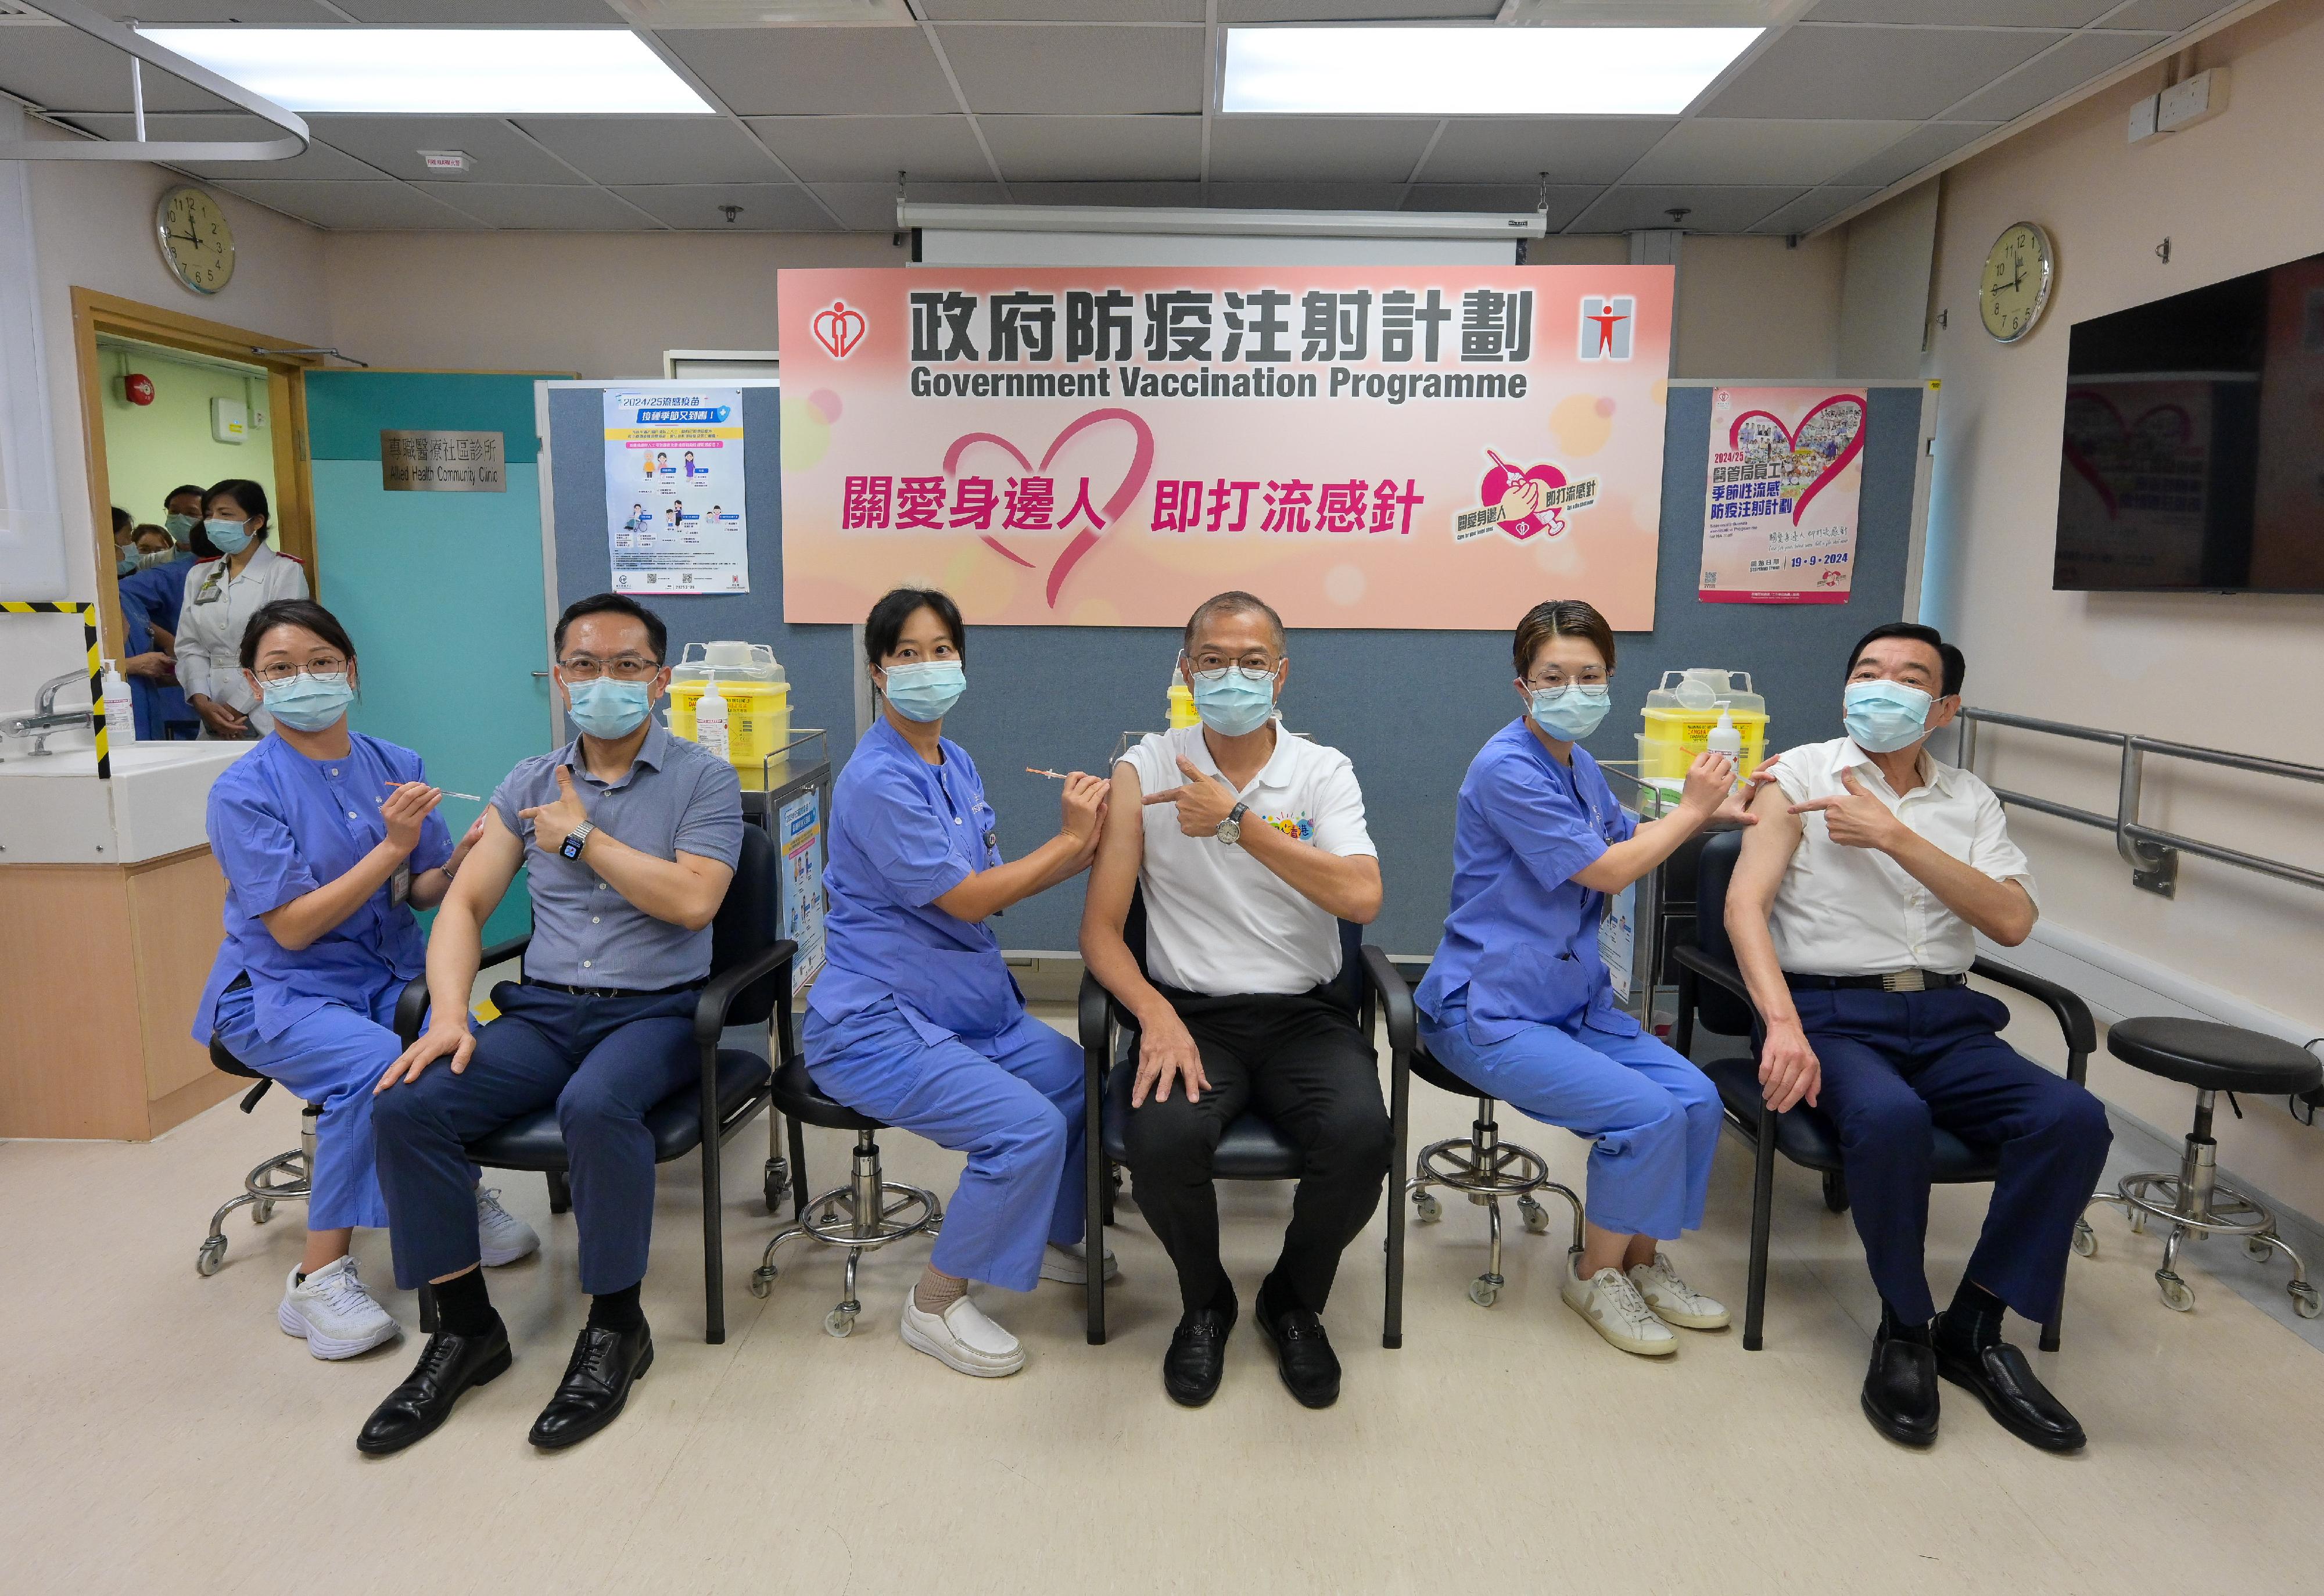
<point>210,624</point>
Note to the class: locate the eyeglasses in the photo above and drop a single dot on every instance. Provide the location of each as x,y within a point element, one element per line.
<point>1551,681</point>
<point>623,667</point>
<point>1214,668</point>
<point>331,669</point>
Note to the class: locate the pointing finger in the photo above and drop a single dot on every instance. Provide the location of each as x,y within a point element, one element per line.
<point>1847,779</point>
<point>1169,796</point>
<point>1815,805</point>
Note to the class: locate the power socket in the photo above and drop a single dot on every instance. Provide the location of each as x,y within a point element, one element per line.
<point>2197,99</point>
<point>2143,119</point>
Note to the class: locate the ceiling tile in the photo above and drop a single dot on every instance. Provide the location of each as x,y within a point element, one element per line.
<point>475,12</point>
<point>767,208</point>
<point>1569,149</point>
<point>1106,193</point>
<point>871,208</point>
<point>1931,141</point>
<point>655,149</point>
<point>784,71</point>
<point>1292,194</point>
<point>1709,209</point>
<point>372,207</point>
<point>538,205</point>
<point>1874,73</point>
<point>320,162</point>
<point>2003,13</point>
<point>2079,59</point>
<point>1116,148</point>
<point>1352,11</point>
<point>1075,68</point>
<point>2169,16</point>
<point>1565,202</point>
<point>1347,149</point>
<point>63,70</point>
<point>498,153</point>
<point>1061,11</point>
<point>1812,209</point>
<point>1754,150</point>
<point>867,149</point>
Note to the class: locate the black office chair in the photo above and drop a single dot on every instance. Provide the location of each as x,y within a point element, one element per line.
<point>749,982</point>
<point>1252,1149</point>
<point>260,1188</point>
<point>1709,985</point>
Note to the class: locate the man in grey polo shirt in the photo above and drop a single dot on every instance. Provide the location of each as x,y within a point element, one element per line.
<point>631,836</point>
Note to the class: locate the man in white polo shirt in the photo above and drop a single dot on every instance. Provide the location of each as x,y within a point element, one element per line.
<point>1251,848</point>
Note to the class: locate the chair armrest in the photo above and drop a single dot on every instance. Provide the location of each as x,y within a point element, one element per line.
<point>1396,999</point>
<point>2073,1015</point>
<point>1093,1005</point>
<point>1714,968</point>
<point>711,1007</point>
<point>412,1007</point>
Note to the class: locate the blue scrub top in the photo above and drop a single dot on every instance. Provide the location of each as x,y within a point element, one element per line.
<point>1522,938</point>
<point>282,824</point>
<point>903,834</point>
<point>157,594</point>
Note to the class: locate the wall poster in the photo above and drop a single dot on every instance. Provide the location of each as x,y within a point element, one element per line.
<point>1779,515</point>
<point>673,492</point>
<point>798,833</point>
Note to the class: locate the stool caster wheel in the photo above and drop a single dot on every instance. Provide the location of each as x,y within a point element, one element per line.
<point>762,1281</point>
<point>2256,1249</point>
<point>1425,1208</point>
<point>2305,1302</point>
<point>212,1253</point>
<point>777,1183</point>
<point>1536,1217</point>
<point>2086,1239</point>
<point>260,1212</point>
<point>1484,1291</point>
<point>2177,1294</point>
<point>2137,1221</point>
<point>840,1322</point>
<point>1835,1191</point>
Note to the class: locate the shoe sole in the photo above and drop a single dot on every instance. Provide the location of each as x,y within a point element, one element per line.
<point>493,1260</point>
<point>1637,1348</point>
<point>920,1341</point>
<point>1299,1395</point>
<point>575,1438</point>
<point>329,1347</point>
<point>492,1369</point>
<point>2008,1421</point>
<point>1917,1439</point>
<point>1693,1321</point>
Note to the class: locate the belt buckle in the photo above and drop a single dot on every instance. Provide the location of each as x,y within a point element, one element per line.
<point>1914,980</point>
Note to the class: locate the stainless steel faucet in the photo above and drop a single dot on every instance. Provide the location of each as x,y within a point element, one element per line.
<point>46,719</point>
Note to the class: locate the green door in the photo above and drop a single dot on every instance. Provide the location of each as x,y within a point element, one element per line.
<point>441,591</point>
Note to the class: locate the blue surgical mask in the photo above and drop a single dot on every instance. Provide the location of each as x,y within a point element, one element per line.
<point>1883,717</point>
<point>609,709</point>
<point>1573,711</point>
<point>181,529</point>
<point>232,536</point>
<point>308,702</point>
<point>925,689</point>
<point>1235,704</point>
<point>122,564</point>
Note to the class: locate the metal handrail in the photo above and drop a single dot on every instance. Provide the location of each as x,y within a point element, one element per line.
<point>2151,854</point>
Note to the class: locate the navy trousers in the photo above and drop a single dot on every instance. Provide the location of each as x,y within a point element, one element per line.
<point>602,1062</point>
<point>1895,1064</point>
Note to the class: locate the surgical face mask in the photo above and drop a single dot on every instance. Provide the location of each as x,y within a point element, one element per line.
<point>1571,713</point>
<point>126,561</point>
<point>925,689</point>
<point>1883,717</point>
<point>1232,704</point>
<point>308,702</point>
<point>180,528</point>
<point>609,709</point>
<point>232,536</point>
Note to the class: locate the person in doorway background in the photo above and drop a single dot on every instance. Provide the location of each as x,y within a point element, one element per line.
<point>147,660</point>
<point>124,541</point>
<point>181,513</point>
<point>222,595</point>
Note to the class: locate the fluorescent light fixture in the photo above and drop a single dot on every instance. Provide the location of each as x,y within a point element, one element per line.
<point>1452,71</point>
<point>1173,222</point>
<point>441,72</point>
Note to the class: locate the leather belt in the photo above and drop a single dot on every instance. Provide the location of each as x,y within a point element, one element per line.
<point>1894,980</point>
<point>619,992</point>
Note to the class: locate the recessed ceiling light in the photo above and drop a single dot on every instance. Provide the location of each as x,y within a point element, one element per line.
<point>1450,71</point>
<point>440,70</point>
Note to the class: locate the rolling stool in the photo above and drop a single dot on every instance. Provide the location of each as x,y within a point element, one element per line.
<point>1487,1169</point>
<point>2212,1058</point>
<point>260,1191</point>
<point>876,1208</point>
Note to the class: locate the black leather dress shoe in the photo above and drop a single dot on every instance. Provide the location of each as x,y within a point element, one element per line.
<point>1311,1370</point>
<point>1900,1389</point>
<point>604,1364</point>
<point>448,1365</point>
<point>1197,1357</point>
<point>2021,1403</point>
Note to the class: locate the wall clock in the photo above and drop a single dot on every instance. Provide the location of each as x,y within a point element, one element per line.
<point>2018,270</point>
<point>194,238</point>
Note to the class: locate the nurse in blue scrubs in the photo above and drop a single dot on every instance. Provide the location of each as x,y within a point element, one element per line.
<point>915,1021</point>
<point>329,840</point>
<point>1517,1002</point>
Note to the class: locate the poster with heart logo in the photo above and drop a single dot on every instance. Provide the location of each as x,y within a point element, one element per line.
<point>1779,511</point>
<point>1362,447</point>
<point>673,492</point>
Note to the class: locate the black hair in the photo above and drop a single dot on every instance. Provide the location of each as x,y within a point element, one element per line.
<point>1237,602</point>
<point>1953,665</point>
<point>122,518</point>
<point>885,624</point>
<point>293,611</point>
<point>1556,618</point>
<point>180,491</point>
<point>246,495</point>
<point>614,603</point>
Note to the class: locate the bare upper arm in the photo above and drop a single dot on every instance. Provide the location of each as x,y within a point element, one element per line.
<point>1767,849</point>
<point>491,865</point>
<point>1121,851</point>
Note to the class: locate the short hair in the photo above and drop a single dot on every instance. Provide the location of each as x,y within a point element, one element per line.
<point>293,611</point>
<point>180,491</point>
<point>1235,603</point>
<point>885,624</point>
<point>248,495</point>
<point>159,531</point>
<point>613,603</point>
<point>1560,617</point>
<point>1953,665</point>
<point>122,518</point>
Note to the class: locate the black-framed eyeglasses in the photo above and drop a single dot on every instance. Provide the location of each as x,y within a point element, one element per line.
<point>621,668</point>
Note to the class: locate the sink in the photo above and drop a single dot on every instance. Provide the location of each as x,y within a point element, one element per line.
<point>53,809</point>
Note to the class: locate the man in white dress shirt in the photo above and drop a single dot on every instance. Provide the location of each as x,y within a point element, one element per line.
<point>1854,913</point>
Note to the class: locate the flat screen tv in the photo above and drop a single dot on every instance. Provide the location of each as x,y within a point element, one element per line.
<point>2193,455</point>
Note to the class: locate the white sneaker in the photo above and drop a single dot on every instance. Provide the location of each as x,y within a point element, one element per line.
<point>1616,1312</point>
<point>333,1312</point>
<point>1672,1300</point>
<point>963,1338</point>
<point>504,1236</point>
<point>1069,1265</point>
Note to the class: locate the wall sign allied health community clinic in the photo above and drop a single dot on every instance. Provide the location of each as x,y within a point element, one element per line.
<point>1390,447</point>
<point>673,492</point>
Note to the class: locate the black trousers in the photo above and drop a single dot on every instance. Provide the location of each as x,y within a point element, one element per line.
<point>1302,1063</point>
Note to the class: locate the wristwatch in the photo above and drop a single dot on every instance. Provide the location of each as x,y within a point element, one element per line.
<point>576,839</point>
<point>1230,830</point>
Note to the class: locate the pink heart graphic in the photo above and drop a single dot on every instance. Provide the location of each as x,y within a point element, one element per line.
<point>1839,462</point>
<point>838,329</point>
<point>1141,463</point>
<point>2084,406</point>
<point>1504,476</point>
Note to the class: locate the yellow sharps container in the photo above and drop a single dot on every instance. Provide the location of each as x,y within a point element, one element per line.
<point>757,702</point>
<point>1681,711</point>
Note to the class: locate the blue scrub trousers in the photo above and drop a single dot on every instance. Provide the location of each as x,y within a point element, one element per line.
<point>1653,1116</point>
<point>1011,1101</point>
<point>331,1058</point>
<point>602,1062</point>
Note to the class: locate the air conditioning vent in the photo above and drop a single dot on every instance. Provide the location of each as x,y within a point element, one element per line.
<point>763,14</point>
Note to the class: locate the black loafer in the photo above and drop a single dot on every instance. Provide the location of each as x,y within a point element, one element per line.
<point>448,1365</point>
<point>1900,1391</point>
<point>1197,1358</point>
<point>1311,1370</point>
<point>2020,1403</point>
<point>604,1364</point>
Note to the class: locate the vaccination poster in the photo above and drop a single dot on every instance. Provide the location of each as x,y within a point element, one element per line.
<point>1390,446</point>
<point>673,492</point>
<point>798,832</point>
<point>1779,515</point>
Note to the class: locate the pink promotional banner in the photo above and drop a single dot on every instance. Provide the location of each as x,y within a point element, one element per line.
<point>1390,447</point>
<point>1779,511</point>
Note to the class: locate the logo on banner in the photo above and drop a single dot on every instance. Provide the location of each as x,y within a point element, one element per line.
<point>839,329</point>
<point>1606,324</point>
<point>1523,501</point>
